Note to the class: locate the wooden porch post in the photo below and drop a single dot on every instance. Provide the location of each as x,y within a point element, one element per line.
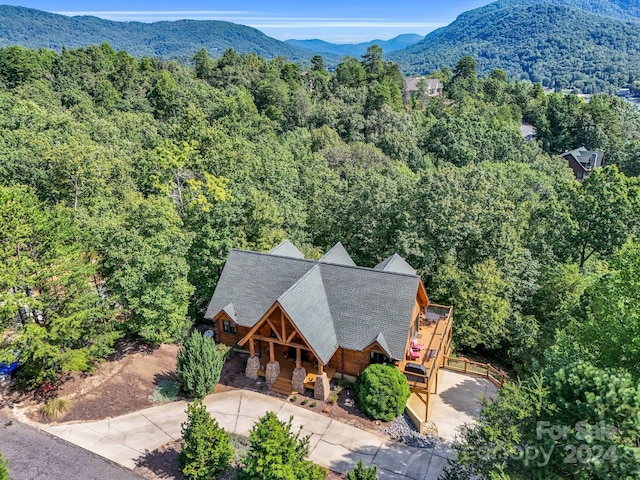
<point>298,358</point>
<point>252,348</point>
<point>272,355</point>
<point>426,413</point>
<point>320,368</point>
<point>437,374</point>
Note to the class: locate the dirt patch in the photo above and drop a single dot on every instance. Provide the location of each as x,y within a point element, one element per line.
<point>120,385</point>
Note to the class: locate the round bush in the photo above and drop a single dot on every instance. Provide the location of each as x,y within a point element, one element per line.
<point>381,392</point>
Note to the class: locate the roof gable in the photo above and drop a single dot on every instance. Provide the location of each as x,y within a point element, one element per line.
<point>307,306</point>
<point>339,255</point>
<point>395,263</point>
<point>286,249</point>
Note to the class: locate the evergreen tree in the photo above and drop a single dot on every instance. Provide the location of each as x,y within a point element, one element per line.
<point>207,449</point>
<point>363,473</point>
<point>199,364</point>
<point>4,470</point>
<point>276,453</point>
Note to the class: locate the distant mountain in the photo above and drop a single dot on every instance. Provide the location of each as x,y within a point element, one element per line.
<point>357,49</point>
<point>592,48</point>
<point>179,39</point>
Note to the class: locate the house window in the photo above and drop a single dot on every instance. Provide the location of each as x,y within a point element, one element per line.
<point>228,326</point>
<point>377,357</point>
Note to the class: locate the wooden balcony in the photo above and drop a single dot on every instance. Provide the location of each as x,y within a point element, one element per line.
<point>434,343</point>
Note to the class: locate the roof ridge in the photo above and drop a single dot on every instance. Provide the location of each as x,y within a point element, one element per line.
<point>317,262</point>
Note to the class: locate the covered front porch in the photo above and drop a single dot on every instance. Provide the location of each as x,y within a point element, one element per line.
<point>287,361</point>
<point>281,353</point>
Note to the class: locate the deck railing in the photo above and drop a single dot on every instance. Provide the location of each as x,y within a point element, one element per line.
<point>485,370</point>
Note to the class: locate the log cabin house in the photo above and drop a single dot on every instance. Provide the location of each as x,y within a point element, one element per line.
<point>305,321</point>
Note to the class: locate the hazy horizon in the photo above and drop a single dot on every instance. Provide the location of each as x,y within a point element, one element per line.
<point>332,21</point>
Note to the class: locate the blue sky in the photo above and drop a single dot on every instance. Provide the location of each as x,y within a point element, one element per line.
<point>340,21</point>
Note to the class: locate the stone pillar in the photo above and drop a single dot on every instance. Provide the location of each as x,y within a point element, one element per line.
<point>321,388</point>
<point>253,365</point>
<point>297,379</point>
<point>272,373</point>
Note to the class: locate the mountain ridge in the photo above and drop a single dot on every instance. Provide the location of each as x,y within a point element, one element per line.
<point>179,39</point>
<point>542,41</point>
<point>357,49</point>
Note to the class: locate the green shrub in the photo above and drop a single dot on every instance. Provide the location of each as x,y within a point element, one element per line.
<point>343,383</point>
<point>305,401</point>
<point>381,392</point>
<point>207,449</point>
<point>199,364</point>
<point>55,408</point>
<point>166,391</point>
<point>276,453</point>
<point>363,473</point>
<point>4,469</point>
<point>313,404</point>
<point>334,398</point>
<point>294,398</point>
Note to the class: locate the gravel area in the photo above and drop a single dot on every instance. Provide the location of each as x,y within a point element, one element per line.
<point>403,430</point>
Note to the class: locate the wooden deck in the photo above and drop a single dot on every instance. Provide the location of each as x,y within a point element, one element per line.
<point>288,364</point>
<point>434,335</point>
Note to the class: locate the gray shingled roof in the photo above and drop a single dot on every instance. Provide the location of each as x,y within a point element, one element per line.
<point>307,305</point>
<point>338,254</point>
<point>286,249</point>
<point>363,302</point>
<point>588,159</point>
<point>395,263</point>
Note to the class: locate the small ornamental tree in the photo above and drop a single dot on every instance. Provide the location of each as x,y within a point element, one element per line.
<point>4,470</point>
<point>199,364</point>
<point>276,453</point>
<point>207,449</point>
<point>363,473</point>
<point>381,392</point>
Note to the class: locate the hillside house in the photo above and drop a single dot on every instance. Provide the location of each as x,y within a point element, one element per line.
<point>305,321</point>
<point>583,161</point>
<point>431,87</point>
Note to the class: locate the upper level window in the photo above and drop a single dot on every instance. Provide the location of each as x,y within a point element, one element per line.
<point>228,326</point>
<point>377,357</point>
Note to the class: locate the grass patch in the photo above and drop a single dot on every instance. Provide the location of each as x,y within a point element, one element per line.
<point>55,408</point>
<point>166,391</point>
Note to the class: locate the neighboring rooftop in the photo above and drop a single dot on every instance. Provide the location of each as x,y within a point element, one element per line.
<point>588,159</point>
<point>433,86</point>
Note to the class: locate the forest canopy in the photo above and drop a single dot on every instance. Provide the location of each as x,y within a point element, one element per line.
<point>124,182</point>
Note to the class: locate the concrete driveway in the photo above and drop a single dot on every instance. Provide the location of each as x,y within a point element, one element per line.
<point>333,444</point>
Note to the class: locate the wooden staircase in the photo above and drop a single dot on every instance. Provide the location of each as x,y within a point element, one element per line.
<point>282,385</point>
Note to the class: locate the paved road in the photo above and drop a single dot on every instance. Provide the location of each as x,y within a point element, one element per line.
<point>36,455</point>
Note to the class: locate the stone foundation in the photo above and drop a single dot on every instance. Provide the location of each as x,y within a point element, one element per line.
<point>322,389</point>
<point>253,365</point>
<point>297,379</point>
<point>272,373</point>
